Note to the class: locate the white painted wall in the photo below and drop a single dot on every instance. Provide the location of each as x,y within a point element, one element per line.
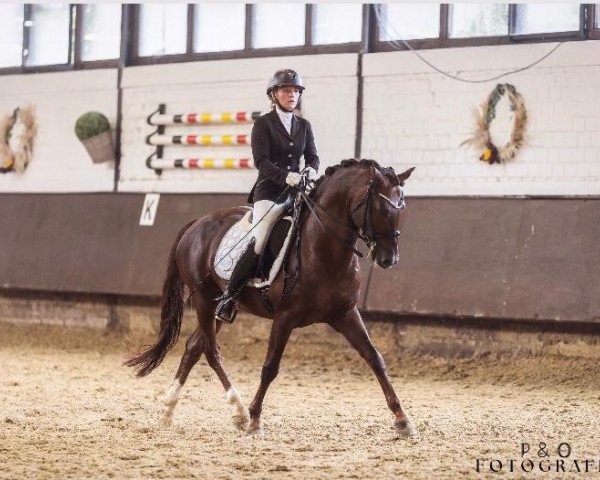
<point>60,163</point>
<point>329,103</point>
<point>414,116</point>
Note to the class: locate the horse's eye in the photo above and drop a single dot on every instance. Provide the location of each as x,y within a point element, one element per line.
<point>398,204</point>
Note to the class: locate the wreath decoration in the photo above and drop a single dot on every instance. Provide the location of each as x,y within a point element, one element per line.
<point>17,132</point>
<point>484,116</point>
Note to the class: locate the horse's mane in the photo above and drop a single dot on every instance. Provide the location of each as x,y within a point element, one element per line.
<point>387,172</point>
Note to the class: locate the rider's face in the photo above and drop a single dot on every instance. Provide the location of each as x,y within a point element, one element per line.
<point>287,97</point>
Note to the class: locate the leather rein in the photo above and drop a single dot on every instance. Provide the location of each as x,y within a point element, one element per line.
<point>366,232</point>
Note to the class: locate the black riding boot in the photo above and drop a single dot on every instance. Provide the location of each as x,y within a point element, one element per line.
<point>227,310</point>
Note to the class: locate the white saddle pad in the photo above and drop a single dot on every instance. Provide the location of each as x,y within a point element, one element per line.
<point>235,242</point>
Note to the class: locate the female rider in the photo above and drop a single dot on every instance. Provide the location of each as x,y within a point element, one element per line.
<point>279,139</point>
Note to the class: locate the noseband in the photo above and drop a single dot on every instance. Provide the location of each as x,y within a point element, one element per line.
<point>366,232</point>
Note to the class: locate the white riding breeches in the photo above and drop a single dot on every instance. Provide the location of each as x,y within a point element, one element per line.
<point>264,215</point>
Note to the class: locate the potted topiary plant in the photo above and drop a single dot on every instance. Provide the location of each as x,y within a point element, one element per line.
<point>94,131</point>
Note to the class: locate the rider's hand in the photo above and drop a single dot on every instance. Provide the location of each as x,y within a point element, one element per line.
<point>293,179</point>
<point>312,174</point>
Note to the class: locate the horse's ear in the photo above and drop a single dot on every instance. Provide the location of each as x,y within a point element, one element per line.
<point>404,175</point>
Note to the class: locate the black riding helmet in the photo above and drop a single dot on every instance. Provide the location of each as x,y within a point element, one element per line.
<point>284,78</point>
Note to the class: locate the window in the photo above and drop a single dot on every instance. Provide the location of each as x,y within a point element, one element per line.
<point>49,34</point>
<point>546,18</point>
<point>337,23</point>
<point>162,29</point>
<point>101,31</point>
<point>278,25</point>
<point>475,20</point>
<point>409,21</point>
<point>11,35</point>
<point>597,16</point>
<point>219,27</point>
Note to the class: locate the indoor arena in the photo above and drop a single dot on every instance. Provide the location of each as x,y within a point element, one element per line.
<point>290,240</point>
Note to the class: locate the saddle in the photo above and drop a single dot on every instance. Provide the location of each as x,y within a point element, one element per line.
<point>236,240</point>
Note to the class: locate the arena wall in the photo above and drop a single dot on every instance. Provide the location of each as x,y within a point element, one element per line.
<point>497,258</point>
<point>231,86</point>
<point>527,252</point>
<point>60,162</point>
<point>415,116</point>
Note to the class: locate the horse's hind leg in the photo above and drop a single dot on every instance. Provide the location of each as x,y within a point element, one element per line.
<point>194,347</point>
<point>352,327</point>
<point>214,358</point>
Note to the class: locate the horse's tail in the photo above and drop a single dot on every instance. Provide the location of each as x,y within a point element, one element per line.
<point>171,314</point>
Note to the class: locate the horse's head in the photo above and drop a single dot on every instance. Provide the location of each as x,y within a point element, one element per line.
<point>376,211</point>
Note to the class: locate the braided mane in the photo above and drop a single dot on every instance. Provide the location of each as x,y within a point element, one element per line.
<point>387,172</point>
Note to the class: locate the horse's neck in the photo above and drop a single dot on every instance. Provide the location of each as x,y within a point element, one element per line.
<point>324,244</point>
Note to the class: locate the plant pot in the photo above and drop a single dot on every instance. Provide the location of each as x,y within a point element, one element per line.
<point>100,147</point>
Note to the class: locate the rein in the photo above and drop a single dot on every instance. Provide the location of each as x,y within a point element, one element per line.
<point>311,206</point>
<point>365,233</point>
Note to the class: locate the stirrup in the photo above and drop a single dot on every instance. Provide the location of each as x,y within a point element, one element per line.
<point>220,313</point>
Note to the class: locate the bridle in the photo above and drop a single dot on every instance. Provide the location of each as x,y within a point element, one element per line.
<point>365,232</point>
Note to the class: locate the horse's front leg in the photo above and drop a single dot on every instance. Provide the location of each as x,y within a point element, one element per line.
<point>280,334</point>
<point>352,327</point>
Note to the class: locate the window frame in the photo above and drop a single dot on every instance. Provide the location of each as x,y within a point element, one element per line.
<point>593,14</point>
<point>369,42</point>
<point>78,63</point>
<point>27,12</point>
<point>495,39</point>
<point>18,69</point>
<point>248,51</point>
<point>74,61</point>
<point>56,67</point>
<point>546,36</point>
<point>444,41</point>
<point>351,47</point>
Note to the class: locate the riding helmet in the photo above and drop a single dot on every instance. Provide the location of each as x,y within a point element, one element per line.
<point>285,77</point>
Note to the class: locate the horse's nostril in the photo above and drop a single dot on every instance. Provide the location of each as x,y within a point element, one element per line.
<point>386,263</point>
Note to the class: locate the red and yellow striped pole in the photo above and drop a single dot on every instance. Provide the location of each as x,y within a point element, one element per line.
<point>204,118</point>
<point>203,140</point>
<point>201,163</point>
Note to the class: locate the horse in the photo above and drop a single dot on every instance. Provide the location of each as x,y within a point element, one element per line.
<point>355,199</point>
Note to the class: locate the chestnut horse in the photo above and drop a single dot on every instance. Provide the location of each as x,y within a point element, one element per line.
<point>356,199</point>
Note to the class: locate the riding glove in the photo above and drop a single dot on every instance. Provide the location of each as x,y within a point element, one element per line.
<point>293,179</point>
<point>312,174</point>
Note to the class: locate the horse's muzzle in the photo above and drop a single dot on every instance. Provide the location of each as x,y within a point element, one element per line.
<point>386,260</point>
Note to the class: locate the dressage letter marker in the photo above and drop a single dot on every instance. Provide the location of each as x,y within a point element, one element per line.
<point>149,209</point>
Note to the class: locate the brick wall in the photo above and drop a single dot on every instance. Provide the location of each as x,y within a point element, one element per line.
<point>60,162</point>
<point>414,116</point>
<point>231,85</point>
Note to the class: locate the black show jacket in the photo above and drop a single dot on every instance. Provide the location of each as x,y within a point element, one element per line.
<point>277,153</point>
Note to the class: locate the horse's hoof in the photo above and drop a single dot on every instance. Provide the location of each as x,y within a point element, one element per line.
<point>241,421</point>
<point>240,415</point>
<point>166,421</point>
<point>255,432</point>
<point>255,429</point>
<point>406,428</point>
